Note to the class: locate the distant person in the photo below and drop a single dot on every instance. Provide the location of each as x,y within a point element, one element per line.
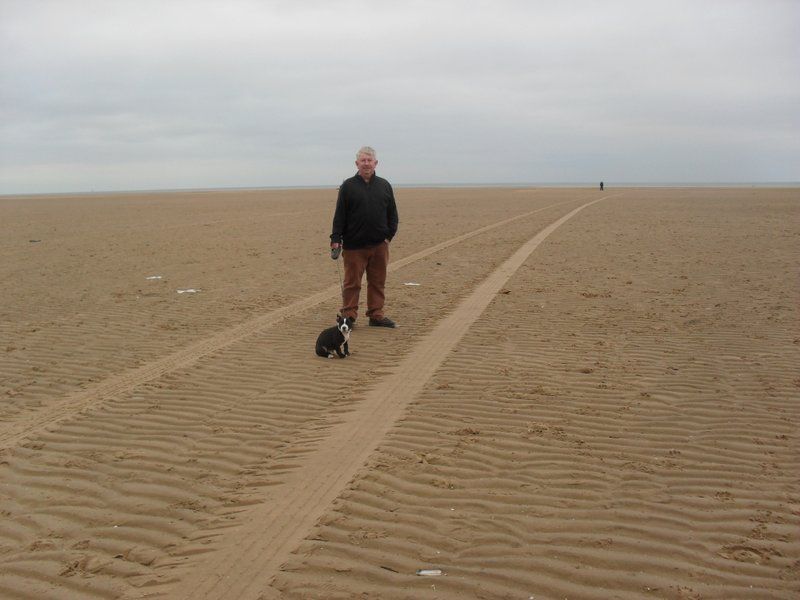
<point>364,223</point>
<point>601,186</point>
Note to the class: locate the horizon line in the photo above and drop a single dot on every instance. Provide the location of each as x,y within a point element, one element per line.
<point>582,184</point>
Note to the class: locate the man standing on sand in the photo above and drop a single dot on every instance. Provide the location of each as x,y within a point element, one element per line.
<point>364,223</point>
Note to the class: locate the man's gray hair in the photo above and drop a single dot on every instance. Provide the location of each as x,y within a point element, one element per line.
<point>366,150</point>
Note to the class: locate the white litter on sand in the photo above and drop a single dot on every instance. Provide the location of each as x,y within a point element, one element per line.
<point>188,291</point>
<point>429,572</point>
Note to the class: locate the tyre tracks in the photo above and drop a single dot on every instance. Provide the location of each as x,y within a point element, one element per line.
<point>49,416</point>
<point>245,561</point>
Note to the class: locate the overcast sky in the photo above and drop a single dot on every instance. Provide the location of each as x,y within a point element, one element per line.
<point>149,94</point>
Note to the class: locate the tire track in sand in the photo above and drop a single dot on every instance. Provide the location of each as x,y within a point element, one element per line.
<point>29,424</point>
<point>245,561</point>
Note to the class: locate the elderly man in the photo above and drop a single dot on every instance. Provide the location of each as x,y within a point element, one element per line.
<point>364,223</point>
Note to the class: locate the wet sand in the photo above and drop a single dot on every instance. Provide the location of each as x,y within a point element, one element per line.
<point>590,395</point>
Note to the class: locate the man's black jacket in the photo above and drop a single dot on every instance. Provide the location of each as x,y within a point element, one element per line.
<point>366,213</point>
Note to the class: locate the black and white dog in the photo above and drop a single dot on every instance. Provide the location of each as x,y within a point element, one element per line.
<point>333,340</point>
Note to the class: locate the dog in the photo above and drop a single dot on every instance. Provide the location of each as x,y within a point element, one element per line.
<point>334,340</point>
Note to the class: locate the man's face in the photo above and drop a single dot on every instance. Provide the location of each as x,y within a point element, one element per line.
<point>366,165</point>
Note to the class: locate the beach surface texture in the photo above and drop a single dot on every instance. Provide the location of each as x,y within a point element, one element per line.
<point>590,395</point>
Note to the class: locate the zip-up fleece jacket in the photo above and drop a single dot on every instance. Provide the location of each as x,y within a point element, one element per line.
<point>366,213</point>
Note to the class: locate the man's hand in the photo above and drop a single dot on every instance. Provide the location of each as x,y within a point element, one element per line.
<point>336,250</point>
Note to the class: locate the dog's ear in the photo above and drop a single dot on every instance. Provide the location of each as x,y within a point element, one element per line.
<point>339,319</point>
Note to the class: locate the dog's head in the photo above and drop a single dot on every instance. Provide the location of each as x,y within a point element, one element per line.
<point>344,324</point>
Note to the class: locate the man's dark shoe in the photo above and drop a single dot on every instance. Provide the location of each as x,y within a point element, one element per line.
<point>382,322</point>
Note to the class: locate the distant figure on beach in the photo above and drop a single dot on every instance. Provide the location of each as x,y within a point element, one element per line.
<point>364,223</point>
<point>601,186</point>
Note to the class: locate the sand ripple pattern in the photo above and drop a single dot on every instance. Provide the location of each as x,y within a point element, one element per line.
<point>613,429</point>
<point>620,422</point>
<point>156,470</point>
<point>24,425</point>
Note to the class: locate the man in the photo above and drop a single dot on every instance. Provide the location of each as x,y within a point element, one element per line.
<point>364,223</point>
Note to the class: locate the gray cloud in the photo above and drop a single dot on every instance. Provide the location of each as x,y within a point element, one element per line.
<point>136,95</point>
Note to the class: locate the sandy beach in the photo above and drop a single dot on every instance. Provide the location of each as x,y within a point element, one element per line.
<point>590,395</point>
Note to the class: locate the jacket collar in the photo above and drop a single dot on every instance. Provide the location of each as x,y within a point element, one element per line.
<point>371,179</point>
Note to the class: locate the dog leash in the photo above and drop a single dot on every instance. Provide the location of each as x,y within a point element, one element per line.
<point>339,271</point>
<point>335,252</point>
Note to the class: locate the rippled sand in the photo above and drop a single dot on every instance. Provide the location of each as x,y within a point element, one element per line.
<point>584,399</point>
